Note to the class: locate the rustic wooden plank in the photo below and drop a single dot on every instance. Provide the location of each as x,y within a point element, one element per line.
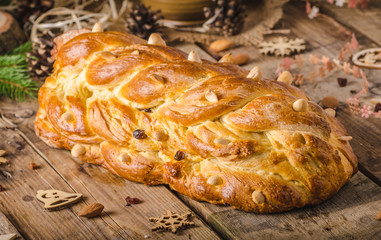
<point>366,142</point>
<point>365,21</point>
<point>101,186</point>
<point>322,39</point>
<point>350,214</point>
<point>7,228</point>
<point>337,218</point>
<point>18,200</point>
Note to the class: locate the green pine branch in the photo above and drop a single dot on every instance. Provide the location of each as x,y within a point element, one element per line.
<point>24,48</point>
<point>15,81</point>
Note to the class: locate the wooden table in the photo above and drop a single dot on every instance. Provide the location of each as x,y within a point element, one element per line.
<point>350,214</point>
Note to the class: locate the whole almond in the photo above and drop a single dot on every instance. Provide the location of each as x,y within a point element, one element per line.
<point>91,210</point>
<point>240,59</point>
<point>330,102</point>
<point>220,45</point>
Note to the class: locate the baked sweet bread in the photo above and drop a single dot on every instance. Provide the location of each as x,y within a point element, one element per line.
<point>212,131</point>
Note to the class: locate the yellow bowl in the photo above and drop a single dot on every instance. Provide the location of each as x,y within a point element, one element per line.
<point>183,10</point>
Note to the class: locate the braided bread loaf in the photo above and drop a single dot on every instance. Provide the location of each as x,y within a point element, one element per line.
<point>150,114</point>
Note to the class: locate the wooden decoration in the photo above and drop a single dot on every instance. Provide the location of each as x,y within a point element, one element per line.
<point>54,199</point>
<point>282,46</point>
<point>262,16</point>
<point>10,236</point>
<point>171,221</point>
<point>369,58</point>
<point>11,34</point>
<point>7,230</point>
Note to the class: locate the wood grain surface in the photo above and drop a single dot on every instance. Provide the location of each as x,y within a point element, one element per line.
<point>350,214</point>
<point>58,170</point>
<point>366,22</point>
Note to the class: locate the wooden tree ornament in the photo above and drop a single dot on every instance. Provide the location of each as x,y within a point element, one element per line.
<point>56,199</point>
<point>11,34</point>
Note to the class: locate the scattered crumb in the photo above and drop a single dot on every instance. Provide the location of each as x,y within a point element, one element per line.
<point>33,166</point>
<point>378,217</point>
<point>131,201</point>
<point>342,82</point>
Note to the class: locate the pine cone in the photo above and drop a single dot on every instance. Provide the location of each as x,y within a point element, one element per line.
<point>28,11</point>
<point>229,16</point>
<point>40,63</point>
<point>143,21</point>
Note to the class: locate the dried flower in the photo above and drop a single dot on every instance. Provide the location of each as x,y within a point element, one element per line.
<point>132,201</point>
<point>354,43</point>
<point>313,59</point>
<point>347,68</point>
<point>355,72</point>
<point>312,76</point>
<point>286,63</point>
<point>354,105</point>
<point>366,111</point>
<point>299,60</point>
<point>352,3</point>
<point>298,80</point>
<point>321,71</point>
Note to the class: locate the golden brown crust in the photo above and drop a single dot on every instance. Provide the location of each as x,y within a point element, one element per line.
<point>246,146</point>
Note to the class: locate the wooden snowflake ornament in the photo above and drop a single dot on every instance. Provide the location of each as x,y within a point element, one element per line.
<point>171,221</point>
<point>282,46</point>
<point>370,58</point>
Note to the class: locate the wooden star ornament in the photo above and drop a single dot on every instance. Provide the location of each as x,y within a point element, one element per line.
<point>171,221</point>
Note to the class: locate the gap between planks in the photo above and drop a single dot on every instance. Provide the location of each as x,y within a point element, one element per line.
<point>170,201</point>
